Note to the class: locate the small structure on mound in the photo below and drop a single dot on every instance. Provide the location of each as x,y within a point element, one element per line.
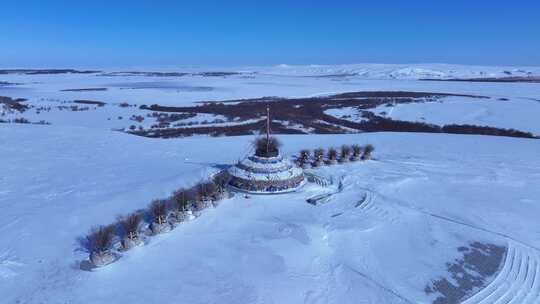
<point>266,172</point>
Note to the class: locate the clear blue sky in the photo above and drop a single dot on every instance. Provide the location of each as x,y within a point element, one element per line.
<point>154,33</point>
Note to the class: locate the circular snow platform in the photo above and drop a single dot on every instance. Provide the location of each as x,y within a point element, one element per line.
<point>266,175</point>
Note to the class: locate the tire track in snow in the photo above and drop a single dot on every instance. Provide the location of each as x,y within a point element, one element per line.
<point>518,282</point>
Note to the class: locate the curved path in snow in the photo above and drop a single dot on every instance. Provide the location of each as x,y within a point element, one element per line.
<point>370,207</point>
<point>518,282</point>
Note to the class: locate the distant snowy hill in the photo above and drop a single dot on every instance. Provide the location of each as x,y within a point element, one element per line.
<point>112,99</point>
<point>400,71</point>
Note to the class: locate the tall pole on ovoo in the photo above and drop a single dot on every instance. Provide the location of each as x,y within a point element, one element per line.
<point>267,129</point>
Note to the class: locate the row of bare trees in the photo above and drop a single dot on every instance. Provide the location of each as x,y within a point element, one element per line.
<point>332,156</point>
<point>161,216</point>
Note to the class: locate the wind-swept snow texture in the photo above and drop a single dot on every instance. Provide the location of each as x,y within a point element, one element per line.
<point>387,232</point>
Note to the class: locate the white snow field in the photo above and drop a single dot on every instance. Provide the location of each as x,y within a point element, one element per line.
<point>484,112</point>
<point>400,71</point>
<point>405,227</point>
<point>518,281</point>
<point>383,236</point>
<point>519,111</point>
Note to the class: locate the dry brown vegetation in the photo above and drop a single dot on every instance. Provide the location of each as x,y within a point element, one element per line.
<point>158,208</point>
<point>14,104</point>
<point>368,149</point>
<point>307,115</point>
<point>345,151</point>
<point>332,154</point>
<point>356,150</point>
<point>267,147</point>
<point>130,224</point>
<point>181,200</point>
<point>100,238</point>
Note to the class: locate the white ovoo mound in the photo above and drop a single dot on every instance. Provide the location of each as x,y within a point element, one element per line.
<point>266,175</point>
<point>266,172</point>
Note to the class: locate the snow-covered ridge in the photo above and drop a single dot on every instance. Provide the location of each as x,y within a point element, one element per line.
<point>362,70</point>
<point>400,71</point>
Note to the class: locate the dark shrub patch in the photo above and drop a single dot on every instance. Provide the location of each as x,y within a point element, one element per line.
<point>130,224</point>
<point>306,115</point>
<point>332,154</point>
<point>158,208</point>
<point>267,147</point>
<point>100,239</point>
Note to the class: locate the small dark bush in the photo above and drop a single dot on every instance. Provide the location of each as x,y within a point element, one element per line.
<point>303,157</point>
<point>267,148</point>
<point>158,208</point>
<point>138,118</point>
<point>100,239</point>
<point>206,191</point>
<point>221,180</point>
<point>345,151</point>
<point>21,120</point>
<point>181,200</point>
<point>356,150</point>
<point>318,153</point>
<point>368,149</point>
<point>130,224</point>
<point>332,154</point>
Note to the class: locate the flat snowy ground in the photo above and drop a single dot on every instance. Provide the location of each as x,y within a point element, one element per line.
<point>383,239</point>
<point>519,109</point>
<point>186,90</point>
<point>517,113</point>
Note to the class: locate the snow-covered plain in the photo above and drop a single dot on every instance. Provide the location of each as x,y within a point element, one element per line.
<point>519,112</point>
<point>500,113</point>
<point>254,82</point>
<point>384,237</point>
<point>57,184</point>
